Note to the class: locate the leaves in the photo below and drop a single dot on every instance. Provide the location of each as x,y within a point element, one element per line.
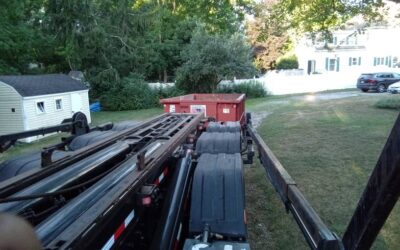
<point>322,15</point>
<point>210,58</point>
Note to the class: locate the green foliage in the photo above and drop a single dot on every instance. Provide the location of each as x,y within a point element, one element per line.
<point>270,41</point>
<point>21,42</point>
<point>252,89</point>
<point>208,59</point>
<point>132,93</point>
<point>166,92</point>
<point>108,39</point>
<point>320,16</point>
<point>288,62</point>
<point>388,103</point>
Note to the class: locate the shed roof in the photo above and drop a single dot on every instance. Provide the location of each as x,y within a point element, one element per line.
<point>34,85</point>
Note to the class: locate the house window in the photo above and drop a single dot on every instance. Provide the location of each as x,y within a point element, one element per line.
<point>395,62</point>
<point>379,61</point>
<point>40,108</point>
<point>58,104</point>
<point>353,61</point>
<point>13,110</point>
<point>332,64</point>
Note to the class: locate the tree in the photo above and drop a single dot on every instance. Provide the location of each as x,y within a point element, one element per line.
<point>21,41</point>
<point>268,43</point>
<point>210,58</point>
<point>287,62</point>
<point>320,16</point>
<point>219,16</point>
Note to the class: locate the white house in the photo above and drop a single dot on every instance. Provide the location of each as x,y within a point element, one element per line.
<point>34,101</point>
<point>351,51</point>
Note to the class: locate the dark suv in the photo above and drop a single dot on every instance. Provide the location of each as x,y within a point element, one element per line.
<point>376,81</point>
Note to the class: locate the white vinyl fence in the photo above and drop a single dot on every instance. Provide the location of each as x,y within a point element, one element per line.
<point>161,85</point>
<point>281,83</point>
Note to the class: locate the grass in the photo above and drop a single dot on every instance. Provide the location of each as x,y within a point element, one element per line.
<point>139,115</point>
<point>389,103</point>
<point>330,148</point>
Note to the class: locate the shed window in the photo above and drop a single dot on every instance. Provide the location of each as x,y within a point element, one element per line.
<point>40,107</point>
<point>58,104</point>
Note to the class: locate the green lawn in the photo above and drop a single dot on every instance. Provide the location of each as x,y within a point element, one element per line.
<point>330,148</point>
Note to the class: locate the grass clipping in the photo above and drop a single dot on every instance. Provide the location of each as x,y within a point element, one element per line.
<point>388,103</point>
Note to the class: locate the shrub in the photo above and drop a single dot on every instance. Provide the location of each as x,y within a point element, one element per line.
<point>167,92</point>
<point>252,89</point>
<point>388,103</point>
<point>288,62</point>
<point>132,93</point>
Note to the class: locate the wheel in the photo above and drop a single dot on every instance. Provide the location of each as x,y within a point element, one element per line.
<point>364,90</point>
<point>381,88</point>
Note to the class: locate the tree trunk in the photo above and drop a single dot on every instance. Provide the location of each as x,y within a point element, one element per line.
<point>165,76</point>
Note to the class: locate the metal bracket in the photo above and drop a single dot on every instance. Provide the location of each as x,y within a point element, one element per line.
<point>148,195</point>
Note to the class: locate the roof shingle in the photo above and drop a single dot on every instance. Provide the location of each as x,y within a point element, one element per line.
<point>34,85</point>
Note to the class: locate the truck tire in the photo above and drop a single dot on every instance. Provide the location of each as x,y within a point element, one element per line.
<point>215,143</point>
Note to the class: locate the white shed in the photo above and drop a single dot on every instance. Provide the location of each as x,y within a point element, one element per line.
<point>34,101</point>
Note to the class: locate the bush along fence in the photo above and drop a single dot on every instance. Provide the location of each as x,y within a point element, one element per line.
<point>252,88</point>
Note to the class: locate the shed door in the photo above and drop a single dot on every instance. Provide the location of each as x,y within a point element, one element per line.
<point>76,102</point>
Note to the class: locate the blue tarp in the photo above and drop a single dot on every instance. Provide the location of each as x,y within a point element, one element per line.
<point>95,107</point>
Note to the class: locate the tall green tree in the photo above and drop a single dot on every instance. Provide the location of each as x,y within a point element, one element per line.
<point>21,41</point>
<point>209,58</point>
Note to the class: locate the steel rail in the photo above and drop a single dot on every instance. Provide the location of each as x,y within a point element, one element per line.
<point>106,211</point>
<point>66,177</point>
<point>19,182</point>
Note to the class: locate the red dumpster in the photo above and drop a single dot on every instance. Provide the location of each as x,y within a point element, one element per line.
<point>223,107</point>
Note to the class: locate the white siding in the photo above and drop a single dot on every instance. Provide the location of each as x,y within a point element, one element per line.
<point>85,105</point>
<point>10,122</point>
<point>372,43</point>
<point>33,119</point>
